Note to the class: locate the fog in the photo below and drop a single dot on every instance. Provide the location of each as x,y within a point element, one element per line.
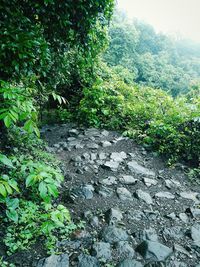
<point>175,17</point>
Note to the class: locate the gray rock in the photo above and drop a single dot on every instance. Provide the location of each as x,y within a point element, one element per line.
<point>175,232</point>
<point>149,234</point>
<point>118,156</point>
<point>87,191</point>
<point>112,234</point>
<point>149,182</point>
<point>105,191</point>
<point>190,195</point>
<point>113,216</point>
<point>171,216</point>
<point>182,250</point>
<point>111,180</point>
<point>105,133</point>
<point>195,212</point>
<point>73,132</point>
<point>172,184</point>
<point>195,233</point>
<point>129,263</point>
<point>106,144</point>
<point>155,264</point>
<point>124,250</point>
<point>102,156</point>
<point>124,194</point>
<point>128,180</point>
<point>92,146</point>
<point>87,261</point>
<point>94,221</point>
<point>111,165</point>
<point>183,217</point>
<point>55,261</point>
<point>136,168</point>
<point>167,195</point>
<point>101,250</point>
<point>144,196</point>
<point>154,251</point>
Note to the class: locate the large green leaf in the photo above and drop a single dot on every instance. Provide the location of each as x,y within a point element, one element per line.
<point>6,161</point>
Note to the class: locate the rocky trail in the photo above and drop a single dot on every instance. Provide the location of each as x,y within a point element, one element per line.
<point>138,212</point>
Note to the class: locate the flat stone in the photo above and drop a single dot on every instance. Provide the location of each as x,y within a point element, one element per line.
<point>111,165</point>
<point>174,232</point>
<point>54,261</point>
<point>124,194</point>
<point>113,216</point>
<point>172,184</point>
<point>183,217</point>
<point>154,251</point>
<point>87,261</point>
<point>149,182</point>
<point>190,195</point>
<point>118,156</point>
<point>167,195</point>
<point>73,132</point>
<point>102,156</point>
<point>195,233</point>
<point>137,168</point>
<point>105,191</point>
<point>111,180</point>
<point>128,180</point>
<point>112,234</point>
<point>129,263</point>
<point>149,234</point>
<point>92,146</point>
<point>105,133</point>
<point>101,250</point>
<point>146,197</point>
<point>88,191</point>
<point>195,212</point>
<point>105,144</point>
<point>124,250</point>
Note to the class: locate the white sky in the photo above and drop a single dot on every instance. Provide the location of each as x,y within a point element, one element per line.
<point>168,16</point>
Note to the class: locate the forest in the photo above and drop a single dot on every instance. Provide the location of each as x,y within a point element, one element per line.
<point>84,62</point>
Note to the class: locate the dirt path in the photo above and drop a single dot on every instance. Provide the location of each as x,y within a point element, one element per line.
<point>138,211</point>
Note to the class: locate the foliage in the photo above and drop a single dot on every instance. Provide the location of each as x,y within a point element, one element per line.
<point>154,60</point>
<point>150,116</point>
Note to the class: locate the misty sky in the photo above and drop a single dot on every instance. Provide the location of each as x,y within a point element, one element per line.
<point>168,16</point>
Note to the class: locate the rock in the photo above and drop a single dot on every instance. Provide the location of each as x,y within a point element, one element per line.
<point>171,216</point>
<point>55,261</point>
<point>118,156</point>
<point>87,261</point>
<point>73,132</point>
<point>105,133</point>
<point>195,233</point>
<point>195,212</point>
<point>86,156</point>
<point>190,195</point>
<point>124,250</point>
<point>112,234</point>
<point>181,249</point>
<point>155,264</point>
<point>154,251</point>
<point>129,263</point>
<point>111,165</point>
<point>124,194</point>
<point>102,156</point>
<point>92,146</point>
<point>87,191</point>
<point>105,191</point>
<point>172,184</point>
<point>94,221</point>
<point>101,250</point>
<point>175,232</point>
<point>113,215</point>
<point>106,144</point>
<point>149,182</point>
<point>167,195</point>
<point>149,234</point>
<point>128,180</point>
<point>93,156</point>
<point>144,196</point>
<point>136,168</point>
<point>111,180</point>
<point>183,217</point>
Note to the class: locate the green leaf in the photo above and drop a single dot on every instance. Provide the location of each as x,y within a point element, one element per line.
<point>6,161</point>
<point>30,180</point>
<point>12,203</point>
<point>42,189</point>
<point>3,191</point>
<point>7,121</point>
<point>52,190</point>
<point>12,215</point>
